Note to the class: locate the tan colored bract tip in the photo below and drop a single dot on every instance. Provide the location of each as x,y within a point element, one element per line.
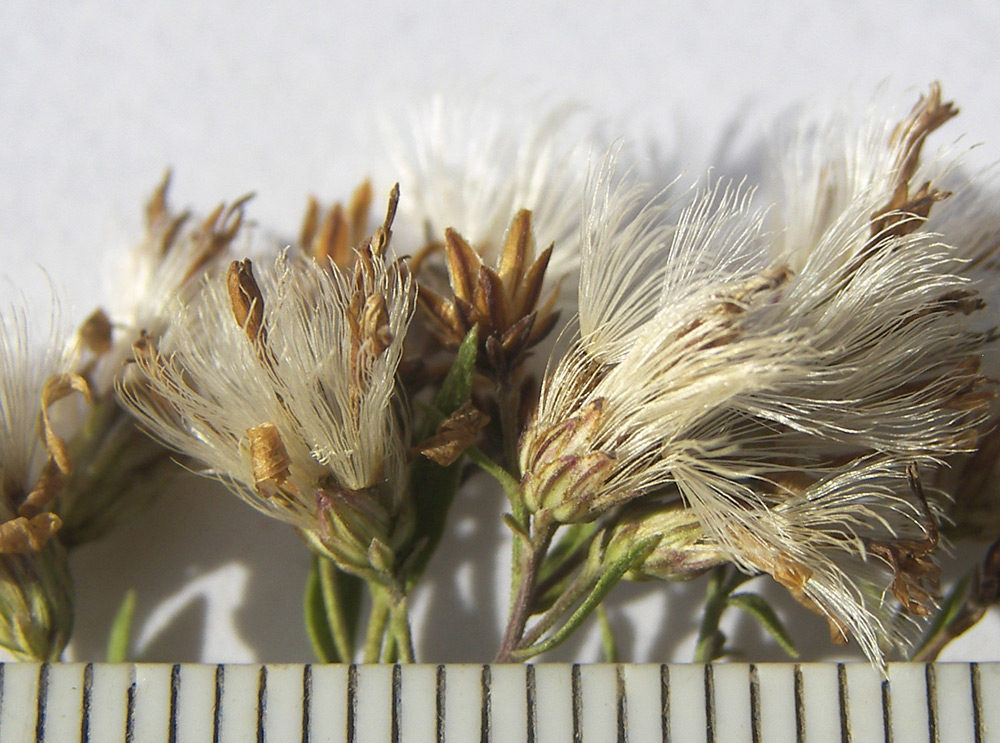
<point>341,229</point>
<point>503,302</point>
<point>246,299</point>
<point>905,211</point>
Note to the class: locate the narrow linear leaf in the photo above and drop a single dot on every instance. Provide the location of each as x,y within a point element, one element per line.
<point>557,568</point>
<point>602,586</point>
<point>766,617</point>
<point>509,483</point>
<point>433,485</point>
<point>609,646</point>
<point>121,630</point>
<point>332,610</point>
<point>317,625</point>
<point>456,390</point>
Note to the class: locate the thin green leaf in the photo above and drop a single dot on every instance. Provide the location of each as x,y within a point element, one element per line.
<point>510,484</point>
<point>317,625</point>
<point>557,569</point>
<point>609,645</point>
<point>332,611</point>
<point>608,580</point>
<point>456,389</point>
<point>766,617</point>
<point>121,630</point>
<point>432,485</point>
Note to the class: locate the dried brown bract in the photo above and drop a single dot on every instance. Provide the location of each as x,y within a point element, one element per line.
<point>504,302</point>
<point>333,234</point>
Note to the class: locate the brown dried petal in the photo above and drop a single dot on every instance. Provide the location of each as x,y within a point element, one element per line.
<point>357,212</point>
<point>156,207</point>
<point>463,265</point>
<point>245,299</point>
<point>269,459</point>
<point>50,480</point>
<point>455,434</point>
<point>216,233</point>
<point>310,223</point>
<point>444,315</point>
<point>515,338</point>
<point>332,242</point>
<point>518,250</point>
<point>375,324</point>
<point>56,388</point>
<point>491,300</point>
<point>529,290</point>
<point>928,114</point>
<point>95,333</point>
<point>22,535</point>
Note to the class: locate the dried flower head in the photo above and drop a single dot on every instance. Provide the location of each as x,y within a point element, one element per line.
<point>782,389</point>
<point>35,595</point>
<point>166,266</point>
<point>282,381</point>
<point>505,303</point>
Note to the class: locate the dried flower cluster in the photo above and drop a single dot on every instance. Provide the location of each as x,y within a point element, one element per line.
<point>796,391</point>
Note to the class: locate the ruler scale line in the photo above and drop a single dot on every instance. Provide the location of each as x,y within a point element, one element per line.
<point>42,700</point>
<point>755,734</point>
<point>931,681</point>
<point>352,703</point>
<point>531,702</point>
<point>977,702</point>
<point>440,684</point>
<point>576,703</point>
<point>800,710</point>
<point>665,701</point>
<point>220,680</point>
<point>306,700</point>
<point>130,707</point>
<point>397,701</point>
<point>175,688</point>
<point>621,704</point>
<point>887,710</point>
<point>85,703</point>
<point>261,703</point>
<point>486,710</point>
<point>709,703</point>
<point>844,704</point>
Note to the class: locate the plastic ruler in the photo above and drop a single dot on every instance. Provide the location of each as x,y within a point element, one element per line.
<point>726,703</point>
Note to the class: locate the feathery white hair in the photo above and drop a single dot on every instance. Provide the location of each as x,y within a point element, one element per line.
<point>209,387</point>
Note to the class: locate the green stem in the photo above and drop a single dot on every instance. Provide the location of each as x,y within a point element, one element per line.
<point>523,587</point>
<point>722,581</point>
<point>509,402</point>
<point>377,622</point>
<point>583,583</point>
<point>609,577</point>
<point>329,576</point>
<point>512,487</point>
<point>399,630</point>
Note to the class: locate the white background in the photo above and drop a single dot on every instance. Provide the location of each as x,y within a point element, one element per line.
<point>98,98</point>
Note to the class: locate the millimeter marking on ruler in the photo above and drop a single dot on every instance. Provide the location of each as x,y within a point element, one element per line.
<point>578,703</point>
